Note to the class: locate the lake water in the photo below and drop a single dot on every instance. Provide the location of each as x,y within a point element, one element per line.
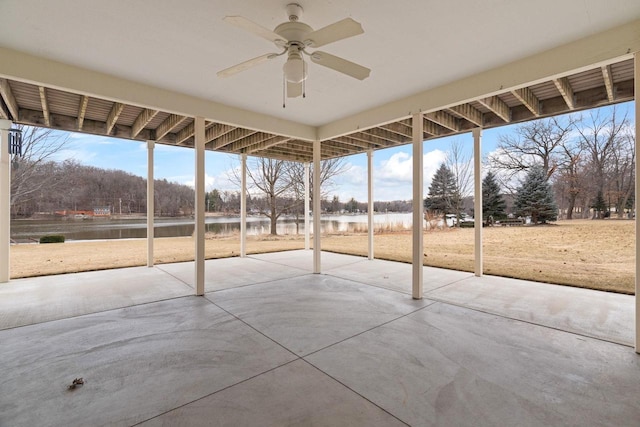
<point>103,228</point>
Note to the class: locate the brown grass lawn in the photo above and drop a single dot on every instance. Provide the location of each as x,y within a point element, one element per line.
<point>585,253</point>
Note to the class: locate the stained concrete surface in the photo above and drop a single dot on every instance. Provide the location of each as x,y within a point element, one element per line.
<point>307,313</point>
<point>295,394</point>
<point>452,366</point>
<point>40,299</point>
<point>604,315</point>
<point>304,349</point>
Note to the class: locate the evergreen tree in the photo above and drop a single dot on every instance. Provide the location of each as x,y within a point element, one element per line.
<point>493,203</point>
<point>535,197</point>
<point>443,192</point>
<point>599,206</point>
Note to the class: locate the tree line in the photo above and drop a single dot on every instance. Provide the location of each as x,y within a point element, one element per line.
<point>565,166</point>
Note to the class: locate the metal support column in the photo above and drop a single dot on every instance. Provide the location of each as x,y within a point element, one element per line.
<point>316,207</point>
<point>243,207</point>
<point>418,210</point>
<point>477,200</point>
<point>150,203</point>
<point>199,205</point>
<point>5,201</point>
<point>370,196</point>
<point>307,232</point>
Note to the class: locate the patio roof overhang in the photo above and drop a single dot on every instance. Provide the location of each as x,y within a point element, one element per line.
<point>591,72</point>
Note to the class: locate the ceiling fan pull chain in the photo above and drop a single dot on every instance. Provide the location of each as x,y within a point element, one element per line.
<point>284,91</point>
<point>304,82</point>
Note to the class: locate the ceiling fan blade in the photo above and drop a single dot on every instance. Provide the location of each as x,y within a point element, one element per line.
<point>252,27</point>
<point>334,32</point>
<point>294,90</point>
<point>246,65</point>
<point>341,65</point>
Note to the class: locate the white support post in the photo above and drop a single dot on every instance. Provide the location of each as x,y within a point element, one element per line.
<point>150,203</point>
<point>418,210</point>
<point>5,201</point>
<point>307,232</point>
<point>316,207</point>
<point>243,207</point>
<point>199,205</point>
<point>477,200</point>
<point>637,196</point>
<point>370,196</point>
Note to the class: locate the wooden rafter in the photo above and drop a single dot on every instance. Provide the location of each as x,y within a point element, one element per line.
<point>142,121</point>
<point>253,139</point>
<point>445,120</point>
<point>230,137</point>
<point>82,111</point>
<point>498,107</point>
<point>608,82</point>
<point>391,138</point>
<point>398,128</point>
<point>565,89</point>
<point>168,125</point>
<point>4,114</point>
<point>185,133</point>
<point>469,112</point>
<point>45,105</point>
<point>216,130</point>
<point>369,138</point>
<point>432,128</point>
<point>115,112</point>
<point>526,96</point>
<point>354,142</point>
<point>265,144</point>
<point>9,99</point>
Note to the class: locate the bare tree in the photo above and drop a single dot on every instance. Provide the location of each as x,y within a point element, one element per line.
<point>460,165</point>
<point>32,173</point>
<point>534,143</point>
<point>601,137</point>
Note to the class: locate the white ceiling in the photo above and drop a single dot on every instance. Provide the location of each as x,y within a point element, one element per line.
<point>410,45</point>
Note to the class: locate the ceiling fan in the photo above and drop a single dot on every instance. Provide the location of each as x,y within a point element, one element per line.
<point>295,37</point>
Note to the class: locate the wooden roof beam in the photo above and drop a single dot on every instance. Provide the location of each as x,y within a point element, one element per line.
<point>608,82</point>
<point>353,142</point>
<point>142,121</point>
<point>398,128</point>
<point>82,111</point>
<point>216,130</point>
<point>115,112</point>
<point>168,125</point>
<point>371,139</point>
<point>391,137</point>
<point>565,89</point>
<point>445,120</point>
<point>230,137</point>
<point>9,100</point>
<point>498,107</point>
<point>185,133</point>
<point>526,96</point>
<point>251,140</point>
<point>470,113</point>
<point>265,144</point>
<point>45,106</point>
<point>431,128</point>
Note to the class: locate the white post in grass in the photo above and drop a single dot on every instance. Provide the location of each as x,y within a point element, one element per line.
<point>199,205</point>
<point>150,203</point>
<point>418,211</point>
<point>477,199</point>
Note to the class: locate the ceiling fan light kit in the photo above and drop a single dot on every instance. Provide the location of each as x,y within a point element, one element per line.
<point>294,37</point>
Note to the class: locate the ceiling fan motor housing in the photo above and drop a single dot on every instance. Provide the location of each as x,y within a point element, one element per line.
<point>293,32</point>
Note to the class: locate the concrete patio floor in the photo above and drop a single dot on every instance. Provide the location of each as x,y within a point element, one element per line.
<point>271,344</point>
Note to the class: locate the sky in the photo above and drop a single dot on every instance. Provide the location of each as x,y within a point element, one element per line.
<point>392,167</point>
